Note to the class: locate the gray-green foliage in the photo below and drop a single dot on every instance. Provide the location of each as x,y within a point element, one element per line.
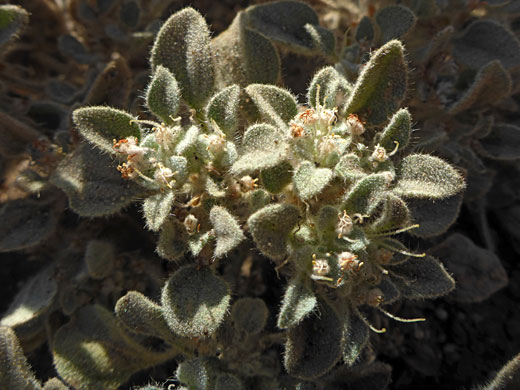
<point>508,378</point>
<point>183,47</point>
<point>102,125</point>
<point>105,358</point>
<point>318,187</point>
<point>25,223</point>
<point>381,85</point>
<point>477,46</point>
<point>12,20</point>
<point>15,372</point>
<point>195,302</point>
<point>163,95</point>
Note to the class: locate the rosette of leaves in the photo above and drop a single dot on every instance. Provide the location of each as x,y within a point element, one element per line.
<point>177,166</point>
<point>187,319</point>
<point>342,175</point>
<point>465,86</point>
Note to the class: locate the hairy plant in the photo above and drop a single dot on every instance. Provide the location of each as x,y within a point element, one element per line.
<point>224,161</point>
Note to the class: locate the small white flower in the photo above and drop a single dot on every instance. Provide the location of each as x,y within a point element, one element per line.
<point>354,125</point>
<point>344,225</point>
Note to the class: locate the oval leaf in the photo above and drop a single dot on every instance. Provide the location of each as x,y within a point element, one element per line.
<point>423,277</point>
<point>309,181</point>
<point>156,209</point>
<point>398,131</point>
<point>102,125</point>
<point>223,109</point>
<point>249,315</point>
<point>276,105</point>
<point>163,95</point>
<point>183,47</point>
<point>195,302</point>
<point>314,346</point>
<point>270,227</point>
<point>226,230</point>
<point>484,41</point>
<point>298,302</point>
<point>424,176</point>
<point>93,184</point>
<point>381,86</point>
<point>263,147</point>
<point>15,372</point>
<point>394,21</point>
<point>477,271</point>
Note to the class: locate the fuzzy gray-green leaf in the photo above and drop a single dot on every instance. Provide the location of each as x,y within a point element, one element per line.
<point>355,337</point>
<point>102,125</point>
<point>172,241</point>
<point>381,86</point>
<point>226,229</point>
<point>156,209</point>
<point>314,346</point>
<point>100,359</point>
<point>15,372</point>
<point>397,133</point>
<point>424,176</point>
<point>93,184</point>
<point>198,373</point>
<point>503,143</point>
<point>349,168</point>
<point>263,146</point>
<point>249,315</point>
<point>223,109</point>
<point>35,298</point>
<point>434,217</point>
<point>394,21</point>
<point>243,56</point>
<point>276,178</point>
<point>163,95</point>
<point>270,227</point>
<point>298,302</point>
<point>486,40</point>
<point>423,277</point>
<point>333,88</point>
<point>293,24</point>
<point>309,181</point>
<point>364,30</point>
<point>492,84</point>
<point>141,315</point>
<point>183,46</point>
<point>364,197</point>
<point>195,302</point>
<point>476,270</point>
<point>276,105</point>
<point>25,223</point>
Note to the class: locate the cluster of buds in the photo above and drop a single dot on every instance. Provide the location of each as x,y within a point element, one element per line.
<point>165,136</point>
<point>134,153</point>
<point>329,144</point>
